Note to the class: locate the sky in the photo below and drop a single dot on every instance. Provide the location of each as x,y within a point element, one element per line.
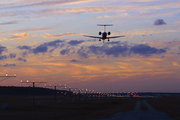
<point>42,40</point>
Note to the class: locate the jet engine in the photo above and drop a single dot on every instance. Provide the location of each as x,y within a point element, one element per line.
<point>100,33</point>
<point>109,33</point>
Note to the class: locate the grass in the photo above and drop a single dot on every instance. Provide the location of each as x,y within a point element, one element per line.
<point>170,105</point>
<point>21,108</point>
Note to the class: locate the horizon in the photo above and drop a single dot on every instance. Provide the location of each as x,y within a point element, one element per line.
<point>43,41</point>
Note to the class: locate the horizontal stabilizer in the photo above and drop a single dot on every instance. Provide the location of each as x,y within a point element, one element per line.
<point>104,24</point>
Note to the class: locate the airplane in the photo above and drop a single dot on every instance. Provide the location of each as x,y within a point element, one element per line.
<point>104,34</point>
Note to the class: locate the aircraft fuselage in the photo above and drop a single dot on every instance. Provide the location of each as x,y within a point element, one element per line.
<point>104,35</point>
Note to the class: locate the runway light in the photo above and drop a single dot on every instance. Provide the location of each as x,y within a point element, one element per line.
<point>21,81</point>
<point>27,81</point>
<point>6,74</point>
<point>14,75</point>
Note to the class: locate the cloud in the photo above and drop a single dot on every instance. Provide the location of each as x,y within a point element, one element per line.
<point>146,50</point>
<point>40,49</point>
<point>22,36</point>
<point>33,30</point>
<point>54,43</point>
<point>65,51</point>
<point>12,55</point>
<point>21,59</point>
<point>159,22</point>
<point>144,32</point>
<point>73,60</point>
<point>2,49</point>
<point>168,8</point>
<point>59,11</point>
<point>24,54</point>
<point>75,42</point>
<point>3,57</point>
<point>117,50</point>
<point>8,23</point>
<point>176,64</point>
<point>8,65</point>
<point>43,48</point>
<point>35,35</point>
<point>114,50</point>
<point>82,52</point>
<point>113,42</point>
<point>38,3</point>
<point>24,47</point>
<point>61,35</point>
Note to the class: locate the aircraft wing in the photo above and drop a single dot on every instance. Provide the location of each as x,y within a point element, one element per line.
<point>93,36</point>
<point>115,37</point>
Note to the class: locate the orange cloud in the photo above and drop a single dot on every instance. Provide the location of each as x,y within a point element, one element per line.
<point>22,36</point>
<point>32,3</point>
<point>140,32</point>
<point>61,35</point>
<point>35,35</point>
<point>33,29</point>
<point>163,44</point>
<point>176,64</point>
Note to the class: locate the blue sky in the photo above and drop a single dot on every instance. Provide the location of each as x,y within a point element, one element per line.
<point>43,40</point>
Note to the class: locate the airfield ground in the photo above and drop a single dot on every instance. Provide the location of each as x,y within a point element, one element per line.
<point>21,108</point>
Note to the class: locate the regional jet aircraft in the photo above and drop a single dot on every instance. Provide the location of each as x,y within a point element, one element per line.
<point>104,34</point>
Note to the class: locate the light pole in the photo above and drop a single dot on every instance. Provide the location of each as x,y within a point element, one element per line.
<point>69,89</point>
<point>27,82</point>
<point>55,89</point>
<point>7,76</point>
